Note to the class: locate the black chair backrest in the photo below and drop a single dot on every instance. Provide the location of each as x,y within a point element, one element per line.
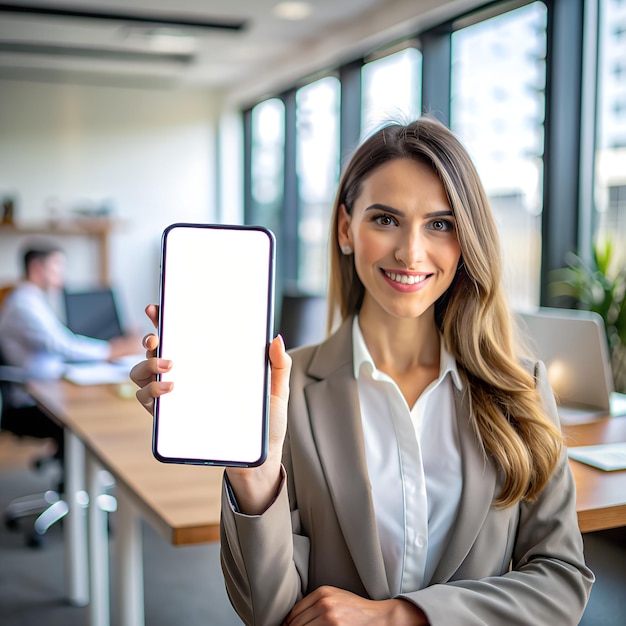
<point>9,376</point>
<point>302,320</point>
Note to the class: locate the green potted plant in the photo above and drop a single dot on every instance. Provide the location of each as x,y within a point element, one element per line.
<point>599,285</point>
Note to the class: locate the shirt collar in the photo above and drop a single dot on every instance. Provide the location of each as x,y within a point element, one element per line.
<point>361,356</point>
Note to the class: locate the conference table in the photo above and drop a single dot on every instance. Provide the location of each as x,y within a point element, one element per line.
<point>600,495</point>
<point>107,429</point>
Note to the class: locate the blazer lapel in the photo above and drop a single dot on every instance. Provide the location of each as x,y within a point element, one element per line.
<point>336,424</point>
<point>479,485</point>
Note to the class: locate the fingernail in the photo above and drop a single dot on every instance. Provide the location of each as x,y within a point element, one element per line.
<point>166,386</point>
<point>282,341</point>
<point>165,364</point>
<point>144,342</point>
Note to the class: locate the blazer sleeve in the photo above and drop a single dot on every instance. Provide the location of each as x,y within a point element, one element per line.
<point>264,559</point>
<point>548,582</point>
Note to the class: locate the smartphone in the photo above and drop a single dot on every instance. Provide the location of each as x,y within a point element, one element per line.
<point>215,324</point>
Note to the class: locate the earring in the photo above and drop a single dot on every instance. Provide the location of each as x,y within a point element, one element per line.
<point>346,249</point>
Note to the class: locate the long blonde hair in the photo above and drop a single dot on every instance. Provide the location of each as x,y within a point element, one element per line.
<point>473,317</point>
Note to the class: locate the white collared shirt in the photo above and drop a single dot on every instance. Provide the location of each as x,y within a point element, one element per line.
<point>414,465</point>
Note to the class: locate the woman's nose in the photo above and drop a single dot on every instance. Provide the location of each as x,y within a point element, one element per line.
<point>410,251</point>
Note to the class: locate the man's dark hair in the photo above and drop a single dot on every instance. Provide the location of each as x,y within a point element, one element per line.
<point>38,253</point>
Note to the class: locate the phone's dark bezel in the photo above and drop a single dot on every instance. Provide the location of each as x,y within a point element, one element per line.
<point>269,332</point>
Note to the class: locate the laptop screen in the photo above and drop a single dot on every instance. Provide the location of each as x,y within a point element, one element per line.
<point>92,313</point>
<point>573,346</point>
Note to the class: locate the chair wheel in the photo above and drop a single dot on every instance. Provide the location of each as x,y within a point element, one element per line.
<point>10,522</point>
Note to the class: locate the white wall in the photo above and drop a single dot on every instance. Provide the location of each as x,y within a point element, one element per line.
<point>151,155</point>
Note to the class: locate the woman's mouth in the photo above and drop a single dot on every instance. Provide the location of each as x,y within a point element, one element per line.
<point>405,279</point>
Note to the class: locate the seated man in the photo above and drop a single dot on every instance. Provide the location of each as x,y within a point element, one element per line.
<point>33,338</point>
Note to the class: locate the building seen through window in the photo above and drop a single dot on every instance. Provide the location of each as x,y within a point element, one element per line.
<point>497,110</point>
<point>497,107</point>
<point>391,90</point>
<point>267,163</point>
<point>610,165</point>
<point>317,168</point>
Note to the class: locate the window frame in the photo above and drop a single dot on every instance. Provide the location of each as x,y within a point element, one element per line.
<point>566,187</point>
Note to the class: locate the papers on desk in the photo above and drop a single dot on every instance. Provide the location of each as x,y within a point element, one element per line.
<point>103,372</point>
<point>607,456</point>
<point>97,373</point>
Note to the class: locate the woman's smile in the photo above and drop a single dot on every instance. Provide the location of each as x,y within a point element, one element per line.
<point>406,282</point>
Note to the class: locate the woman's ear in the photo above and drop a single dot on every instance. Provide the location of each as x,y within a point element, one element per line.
<point>344,235</point>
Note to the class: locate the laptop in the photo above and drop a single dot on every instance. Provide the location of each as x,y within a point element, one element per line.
<point>573,346</point>
<point>93,313</point>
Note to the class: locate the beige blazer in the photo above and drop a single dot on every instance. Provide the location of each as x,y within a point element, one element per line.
<point>519,565</point>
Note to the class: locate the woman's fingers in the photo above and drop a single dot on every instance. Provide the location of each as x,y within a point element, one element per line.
<point>150,342</point>
<point>281,369</point>
<point>146,371</point>
<point>279,397</point>
<point>152,311</point>
<point>144,376</point>
<point>146,395</point>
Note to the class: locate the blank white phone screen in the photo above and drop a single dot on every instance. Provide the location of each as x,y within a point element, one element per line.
<point>215,325</point>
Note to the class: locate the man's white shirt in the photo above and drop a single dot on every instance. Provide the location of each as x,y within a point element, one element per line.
<point>34,338</point>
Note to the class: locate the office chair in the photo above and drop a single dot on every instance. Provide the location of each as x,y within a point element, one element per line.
<point>49,506</point>
<point>302,319</point>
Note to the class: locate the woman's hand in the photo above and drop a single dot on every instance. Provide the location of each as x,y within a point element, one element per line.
<point>144,374</point>
<point>256,487</point>
<point>329,606</point>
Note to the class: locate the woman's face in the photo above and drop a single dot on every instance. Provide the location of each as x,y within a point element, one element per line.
<point>404,238</point>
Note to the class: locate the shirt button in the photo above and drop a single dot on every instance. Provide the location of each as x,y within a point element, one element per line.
<point>421,541</point>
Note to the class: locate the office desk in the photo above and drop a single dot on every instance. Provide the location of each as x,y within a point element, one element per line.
<point>600,496</point>
<point>182,502</point>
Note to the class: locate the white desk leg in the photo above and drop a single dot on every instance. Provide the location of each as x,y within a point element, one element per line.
<point>99,608</point>
<point>75,524</point>
<point>129,562</point>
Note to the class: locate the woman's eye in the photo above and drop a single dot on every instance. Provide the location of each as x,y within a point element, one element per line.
<point>385,220</point>
<point>441,225</point>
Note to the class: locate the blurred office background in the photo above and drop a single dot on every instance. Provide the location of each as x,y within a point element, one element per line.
<point>111,128</point>
<point>118,128</point>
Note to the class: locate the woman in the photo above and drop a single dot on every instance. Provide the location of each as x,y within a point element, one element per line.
<point>416,473</point>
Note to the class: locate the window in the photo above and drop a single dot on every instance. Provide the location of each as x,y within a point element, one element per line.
<point>391,89</point>
<point>267,163</point>
<point>497,110</point>
<point>485,74</point>
<point>610,164</point>
<point>317,167</point>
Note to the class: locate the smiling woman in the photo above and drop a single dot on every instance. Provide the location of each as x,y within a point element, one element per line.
<point>415,471</point>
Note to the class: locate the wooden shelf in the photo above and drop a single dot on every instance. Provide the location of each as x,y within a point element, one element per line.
<point>96,228</point>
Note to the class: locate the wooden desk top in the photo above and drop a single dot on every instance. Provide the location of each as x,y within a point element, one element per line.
<point>600,496</point>
<point>181,501</point>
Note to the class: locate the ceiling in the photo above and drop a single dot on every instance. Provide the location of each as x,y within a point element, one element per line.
<point>237,47</point>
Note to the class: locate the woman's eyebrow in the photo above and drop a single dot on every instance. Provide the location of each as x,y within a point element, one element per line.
<point>388,209</point>
<point>444,213</point>
<point>383,207</point>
